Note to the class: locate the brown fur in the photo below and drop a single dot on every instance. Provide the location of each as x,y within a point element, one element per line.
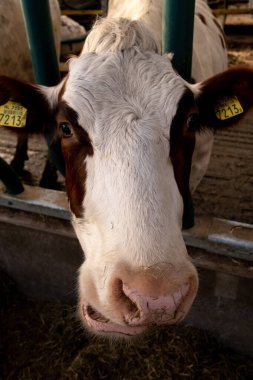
<point>182,143</point>
<point>75,149</point>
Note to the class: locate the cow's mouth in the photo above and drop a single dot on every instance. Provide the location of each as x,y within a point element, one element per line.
<point>99,323</point>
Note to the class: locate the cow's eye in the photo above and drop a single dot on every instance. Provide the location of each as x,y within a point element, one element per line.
<point>193,122</point>
<point>66,129</point>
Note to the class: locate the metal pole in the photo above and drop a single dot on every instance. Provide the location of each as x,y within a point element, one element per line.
<point>44,58</point>
<point>178,22</point>
<point>177,28</point>
<point>41,41</point>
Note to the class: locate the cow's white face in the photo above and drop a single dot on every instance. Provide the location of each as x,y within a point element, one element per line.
<point>118,112</point>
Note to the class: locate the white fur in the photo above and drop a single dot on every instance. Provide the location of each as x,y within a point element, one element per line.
<point>208,58</point>
<point>52,93</point>
<point>70,28</point>
<point>126,103</point>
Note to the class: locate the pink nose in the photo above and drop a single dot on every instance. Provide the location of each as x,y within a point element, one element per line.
<point>149,310</point>
<point>145,303</point>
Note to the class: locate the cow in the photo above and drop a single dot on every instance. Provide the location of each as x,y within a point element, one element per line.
<point>15,60</point>
<point>132,132</point>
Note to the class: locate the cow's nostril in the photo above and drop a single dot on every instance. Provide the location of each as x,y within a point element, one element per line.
<point>95,315</point>
<point>131,309</point>
<point>128,306</point>
<point>146,310</point>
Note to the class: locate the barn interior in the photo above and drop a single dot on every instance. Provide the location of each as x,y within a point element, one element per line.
<point>41,336</point>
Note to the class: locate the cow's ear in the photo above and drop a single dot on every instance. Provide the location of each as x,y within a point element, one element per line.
<point>225,98</point>
<point>24,107</point>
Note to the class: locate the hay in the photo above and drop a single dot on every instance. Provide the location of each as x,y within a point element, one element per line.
<point>41,340</point>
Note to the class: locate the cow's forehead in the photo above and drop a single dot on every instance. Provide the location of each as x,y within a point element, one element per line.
<point>120,86</point>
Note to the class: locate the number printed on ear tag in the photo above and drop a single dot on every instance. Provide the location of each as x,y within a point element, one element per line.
<point>13,114</point>
<point>228,106</point>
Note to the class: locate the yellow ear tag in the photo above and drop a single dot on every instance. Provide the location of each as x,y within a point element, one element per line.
<point>13,114</point>
<point>228,107</point>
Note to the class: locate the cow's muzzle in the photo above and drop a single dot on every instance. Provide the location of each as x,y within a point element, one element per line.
<point>137,309</point>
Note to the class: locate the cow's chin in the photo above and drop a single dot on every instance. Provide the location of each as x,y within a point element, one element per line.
<point>100,325</point>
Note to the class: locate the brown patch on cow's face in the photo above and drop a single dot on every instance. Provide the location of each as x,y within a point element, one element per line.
<point>76,146</point>
<point>182,143</point>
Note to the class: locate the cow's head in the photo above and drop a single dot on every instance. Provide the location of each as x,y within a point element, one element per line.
<point>128,124</point>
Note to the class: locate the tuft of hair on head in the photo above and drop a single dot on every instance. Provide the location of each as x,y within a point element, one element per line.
<point>118,34</point>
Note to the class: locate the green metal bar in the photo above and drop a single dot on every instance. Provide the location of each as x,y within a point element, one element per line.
<point>177,27</point>
<point>41,41</point>
<point>178,22</point>
<point>44,57</point>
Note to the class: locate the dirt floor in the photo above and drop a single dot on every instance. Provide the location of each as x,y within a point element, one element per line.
<point>40,340</point>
